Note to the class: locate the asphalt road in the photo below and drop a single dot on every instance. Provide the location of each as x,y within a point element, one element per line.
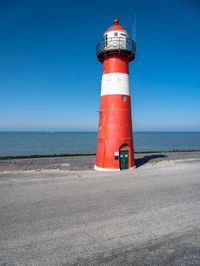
<point>146,216</point>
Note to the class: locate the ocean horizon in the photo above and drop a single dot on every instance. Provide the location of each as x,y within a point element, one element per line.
<point>27,143</point>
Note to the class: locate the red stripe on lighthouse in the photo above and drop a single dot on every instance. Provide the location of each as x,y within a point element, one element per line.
<point>115,130</point>
<point>115,63</point>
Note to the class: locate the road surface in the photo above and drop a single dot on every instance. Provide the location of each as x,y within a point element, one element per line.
<point>146,216</point>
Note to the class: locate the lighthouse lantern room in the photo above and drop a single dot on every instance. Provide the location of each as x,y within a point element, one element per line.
<point>115,141</point>
<point>116,37</point>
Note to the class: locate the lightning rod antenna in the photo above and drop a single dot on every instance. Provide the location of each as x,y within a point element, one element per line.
<point>134,28</point>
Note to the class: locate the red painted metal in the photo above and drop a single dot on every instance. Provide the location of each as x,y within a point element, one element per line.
<point>115,26</point>
<point>115,63</point>
<point>115,130</point>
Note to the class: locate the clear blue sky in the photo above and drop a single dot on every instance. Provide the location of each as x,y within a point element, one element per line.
<point>50,78</point>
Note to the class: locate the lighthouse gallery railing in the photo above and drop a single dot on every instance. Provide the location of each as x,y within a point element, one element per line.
<point>116,44</point>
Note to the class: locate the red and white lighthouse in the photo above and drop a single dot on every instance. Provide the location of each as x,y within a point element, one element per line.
<point>115,141</point>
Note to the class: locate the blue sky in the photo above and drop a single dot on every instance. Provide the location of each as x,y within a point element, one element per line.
<point>50,78</point>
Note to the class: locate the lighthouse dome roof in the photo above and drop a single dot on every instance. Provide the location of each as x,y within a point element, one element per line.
<point>116,26</point>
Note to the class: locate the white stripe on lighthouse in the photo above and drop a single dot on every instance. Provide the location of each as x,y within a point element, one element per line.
<point>115,83</point>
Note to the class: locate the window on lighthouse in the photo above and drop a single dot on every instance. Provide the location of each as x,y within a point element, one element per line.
<point>123,41</point>
<point>106,40</point>
<point>114,40</point>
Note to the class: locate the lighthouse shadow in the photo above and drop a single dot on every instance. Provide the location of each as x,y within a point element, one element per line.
<point>148,158</point>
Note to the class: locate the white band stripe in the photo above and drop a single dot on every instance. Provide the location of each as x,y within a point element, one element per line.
<point>115,83</point>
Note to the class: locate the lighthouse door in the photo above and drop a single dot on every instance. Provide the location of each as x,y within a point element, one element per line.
<point>123,160</point>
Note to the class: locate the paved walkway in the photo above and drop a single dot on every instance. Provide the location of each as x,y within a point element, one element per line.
<point>146,216</point>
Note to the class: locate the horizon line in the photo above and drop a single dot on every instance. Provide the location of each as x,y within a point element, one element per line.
<point>87,131</point>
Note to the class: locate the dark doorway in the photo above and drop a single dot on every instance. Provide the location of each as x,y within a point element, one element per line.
<point>123,160</point>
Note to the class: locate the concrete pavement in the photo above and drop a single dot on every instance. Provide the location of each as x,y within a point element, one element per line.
<point>146,216</point>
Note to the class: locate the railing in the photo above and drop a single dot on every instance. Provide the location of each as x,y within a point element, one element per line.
<point>113,44</point>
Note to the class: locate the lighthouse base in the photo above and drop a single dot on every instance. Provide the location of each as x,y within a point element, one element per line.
<point>110,169</point>
<point>106,169</point>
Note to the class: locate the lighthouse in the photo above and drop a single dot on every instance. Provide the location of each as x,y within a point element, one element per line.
<point>115,141</point>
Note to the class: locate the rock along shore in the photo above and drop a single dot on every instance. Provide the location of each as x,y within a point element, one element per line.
<point>85,162</point>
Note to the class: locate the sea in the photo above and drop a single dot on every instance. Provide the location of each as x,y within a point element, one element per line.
<point>56,143</point>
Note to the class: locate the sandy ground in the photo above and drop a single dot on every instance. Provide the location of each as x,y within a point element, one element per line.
<point>146,216</point>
